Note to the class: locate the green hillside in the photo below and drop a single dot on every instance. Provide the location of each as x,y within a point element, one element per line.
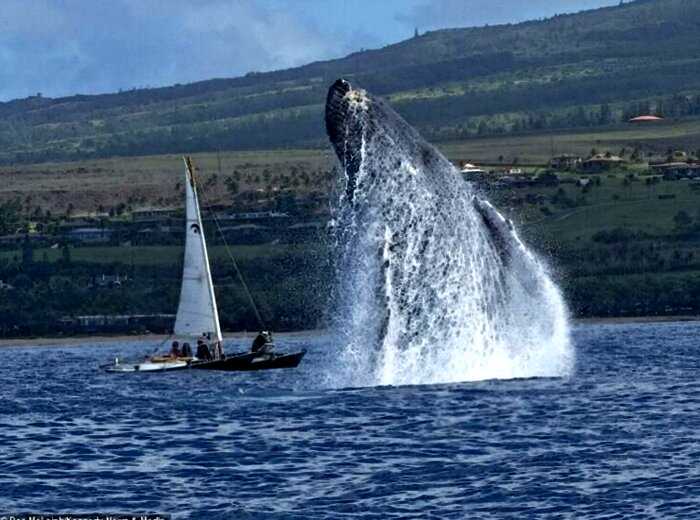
<point>590,69</point>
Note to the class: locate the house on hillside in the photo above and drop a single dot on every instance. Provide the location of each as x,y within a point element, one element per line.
<point>155,215</point>
<point>110,281</point>
<point>678,156</point>
<point>75,222</point>
<point>472,172</point>
<point>116,323</point>
<point>90,235</point>
<point>254,215</point>
<point>466,167</point>
<point>645,119</point>
<point>602,163</point>
<point>19,239</point>
<point>672,171</point>
<point>565,162</point>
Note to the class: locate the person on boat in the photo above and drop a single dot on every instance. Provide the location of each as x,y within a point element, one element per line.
<point>175,350</point>
<point>203,351</point>
<point>262,344</point>
<point>186,350</point>
<point>218,350</point>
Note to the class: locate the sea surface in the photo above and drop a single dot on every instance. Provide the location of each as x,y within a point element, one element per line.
<point>618,439</point>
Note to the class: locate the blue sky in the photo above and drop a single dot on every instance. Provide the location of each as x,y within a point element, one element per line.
<point>63,47</point>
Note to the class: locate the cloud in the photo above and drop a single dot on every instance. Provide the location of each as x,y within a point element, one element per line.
<point>60,47</point>
<point>63,47</point>
<point>429,15</point>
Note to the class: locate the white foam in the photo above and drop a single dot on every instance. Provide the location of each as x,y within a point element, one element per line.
<point>423,295</point>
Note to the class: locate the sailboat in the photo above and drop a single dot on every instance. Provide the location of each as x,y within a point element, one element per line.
<point>197,318</point>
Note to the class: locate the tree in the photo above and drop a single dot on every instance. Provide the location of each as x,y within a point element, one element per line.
<point>682,220</point>
<point>65,254</point>
<point>232,186</point>
<point>10,216</point>
<point>27,253</point>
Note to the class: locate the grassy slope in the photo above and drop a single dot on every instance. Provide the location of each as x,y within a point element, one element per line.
<point>539,148</point>
<point>152,180</point>
<point>565,237</point>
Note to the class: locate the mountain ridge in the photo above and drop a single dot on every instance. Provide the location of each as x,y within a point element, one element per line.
<point>451,83</point>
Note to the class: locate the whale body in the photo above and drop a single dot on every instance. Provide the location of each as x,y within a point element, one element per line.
<point>513,252</point>
<point>434,284</point>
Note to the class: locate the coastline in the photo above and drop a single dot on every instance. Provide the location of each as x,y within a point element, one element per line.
<point>635,319</point>
<point>60,341</point>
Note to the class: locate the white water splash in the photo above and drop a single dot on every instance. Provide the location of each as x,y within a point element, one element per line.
<point>424,296</point>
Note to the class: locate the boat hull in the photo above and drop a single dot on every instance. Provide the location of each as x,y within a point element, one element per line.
<point>248,361</point>
<point>245,362</point>
<point>147,367</point>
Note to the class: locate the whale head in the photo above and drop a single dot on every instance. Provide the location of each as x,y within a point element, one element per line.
<point>359,126</point>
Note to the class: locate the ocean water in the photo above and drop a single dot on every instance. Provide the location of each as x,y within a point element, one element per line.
<point>620,438</point>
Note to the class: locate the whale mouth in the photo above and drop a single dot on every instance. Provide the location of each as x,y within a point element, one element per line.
<point>337,110</point>
<point>343,101</point>
<point>346,108</point>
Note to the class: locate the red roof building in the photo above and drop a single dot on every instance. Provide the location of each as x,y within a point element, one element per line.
<point>645,119</point>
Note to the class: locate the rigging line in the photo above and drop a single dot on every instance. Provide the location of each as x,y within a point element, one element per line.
<point>162,343</point>
<point>251,300</point>
<point>156,349</point>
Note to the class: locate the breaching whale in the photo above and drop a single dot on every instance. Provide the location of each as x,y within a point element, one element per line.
<point>434,284</point>
<point>353,119</point>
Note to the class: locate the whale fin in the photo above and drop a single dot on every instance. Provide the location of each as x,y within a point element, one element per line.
<point>521,262</point>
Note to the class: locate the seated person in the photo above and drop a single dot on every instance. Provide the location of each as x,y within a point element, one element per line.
<point>203,351</point>
<point>262,343</point>
<point>186,350</point>
<point>175,350</point>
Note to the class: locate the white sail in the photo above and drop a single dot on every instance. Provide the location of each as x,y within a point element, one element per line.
<point>197,313</point>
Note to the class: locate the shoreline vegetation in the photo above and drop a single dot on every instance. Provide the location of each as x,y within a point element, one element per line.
<point>63,341</point>
<point>102,339</point>
<point>620,242</point>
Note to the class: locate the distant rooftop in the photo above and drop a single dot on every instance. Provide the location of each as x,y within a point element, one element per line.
<point>599,157</point>
<point>471,168</point>
<point>645,119</point>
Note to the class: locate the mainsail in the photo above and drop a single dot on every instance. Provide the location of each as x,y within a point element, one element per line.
<point>197,313</point>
